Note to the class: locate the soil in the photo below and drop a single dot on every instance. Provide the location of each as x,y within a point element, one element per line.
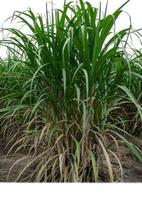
<point>132,167</point>
<point>6,162</point>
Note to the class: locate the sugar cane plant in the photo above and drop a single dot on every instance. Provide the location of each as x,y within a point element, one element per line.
<point>66,90</point>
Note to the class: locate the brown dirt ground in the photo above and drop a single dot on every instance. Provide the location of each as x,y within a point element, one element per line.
<point>132,167</point>
<point>6,161</point>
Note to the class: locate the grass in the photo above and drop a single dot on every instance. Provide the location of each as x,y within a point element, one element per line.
<point>70,93</point>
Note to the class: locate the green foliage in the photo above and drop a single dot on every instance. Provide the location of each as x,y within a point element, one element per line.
<point>61,88</point>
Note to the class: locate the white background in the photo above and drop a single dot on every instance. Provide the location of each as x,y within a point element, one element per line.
<point>70,191</point>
